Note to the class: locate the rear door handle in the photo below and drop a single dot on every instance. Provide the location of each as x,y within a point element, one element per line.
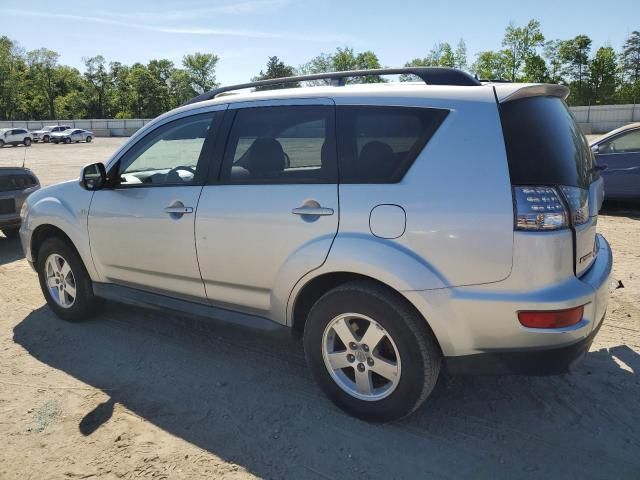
<point>179,210</point>
<point>312,211</point>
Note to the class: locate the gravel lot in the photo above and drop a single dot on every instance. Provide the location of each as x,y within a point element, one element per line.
<point>136,393</point>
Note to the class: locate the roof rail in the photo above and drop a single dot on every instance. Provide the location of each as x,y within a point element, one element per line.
<point>430,76</point>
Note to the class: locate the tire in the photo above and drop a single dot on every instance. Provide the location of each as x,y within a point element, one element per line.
<point>89,139</point>
<point>407,334</point>
<point>67,141</point>
<point>1,143</point>
<point>27,142</point>
<point>45,139</point>
<point>11,233</point>
<point>84,303</point>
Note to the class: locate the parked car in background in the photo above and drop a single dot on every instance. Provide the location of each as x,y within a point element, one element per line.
<point>360,217</point>
<point>619,150</point>
<point>15,136</point>
<point>16,184</point>
<point>44,134</point>
<point>72,135</point>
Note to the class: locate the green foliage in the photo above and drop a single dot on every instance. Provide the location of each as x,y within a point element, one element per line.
<point>276,69</point>
<point>630,57</point>
<point>201,68</point>
<point>520,45</point>
<point>341,60</point>
<point>491,65</point>
<point>603,75</point>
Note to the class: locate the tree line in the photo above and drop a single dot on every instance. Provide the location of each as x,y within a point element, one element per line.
<point>34,85</point>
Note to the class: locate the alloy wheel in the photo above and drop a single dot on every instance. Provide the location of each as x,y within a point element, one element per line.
<point>361,356</point>
<point>60,280</point>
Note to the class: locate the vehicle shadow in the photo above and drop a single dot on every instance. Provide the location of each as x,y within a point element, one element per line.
<point>10,250</point>
<point>249,399</point>
<point>621,208</point>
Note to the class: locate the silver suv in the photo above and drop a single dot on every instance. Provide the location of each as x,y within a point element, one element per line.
<point>399,229</point>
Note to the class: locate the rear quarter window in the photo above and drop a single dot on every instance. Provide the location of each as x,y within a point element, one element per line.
<point>544,143</point>
<point>379,144</point>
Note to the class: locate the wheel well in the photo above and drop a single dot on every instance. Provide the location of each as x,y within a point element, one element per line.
<point>44,232</point>
<point>317,287</point>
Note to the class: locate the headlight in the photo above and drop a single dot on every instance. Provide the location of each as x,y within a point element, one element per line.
<point>23,210</point>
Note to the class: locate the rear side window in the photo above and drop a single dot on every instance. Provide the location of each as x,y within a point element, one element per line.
<point>379,144</point>
<point>544,144</point>
<point>281,144</point>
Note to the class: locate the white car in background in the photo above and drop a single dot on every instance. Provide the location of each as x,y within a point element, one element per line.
<point>44,133</point>
<point>72,135</point>
<point>14,136</point>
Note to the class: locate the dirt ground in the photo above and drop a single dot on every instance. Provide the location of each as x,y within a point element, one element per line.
<point>142,394</point>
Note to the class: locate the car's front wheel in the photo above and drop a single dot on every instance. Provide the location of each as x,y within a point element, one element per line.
<point>1,143</point>
<point>64,281</point>
<point>67,140</point>
<point>89,139</point>
<point>370,352</point>
<point>45,139</point>
<point>27,142</point>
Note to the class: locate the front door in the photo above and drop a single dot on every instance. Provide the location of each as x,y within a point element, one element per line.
<point>272,213</point>
<point>622,157</point>
<point>142,231</point>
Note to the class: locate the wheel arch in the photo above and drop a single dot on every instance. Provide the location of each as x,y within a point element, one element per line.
<point>316,287</point>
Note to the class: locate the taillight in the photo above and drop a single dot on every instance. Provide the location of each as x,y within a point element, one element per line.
<point>550,208</point>
<point>578,201</point>
<point>539,208</point>
<point>551,319</point>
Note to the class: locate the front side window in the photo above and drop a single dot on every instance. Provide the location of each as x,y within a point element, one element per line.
<point>378,144</point>
<point>625,143</point>
<point>169,155</point>
<point>286,144</point>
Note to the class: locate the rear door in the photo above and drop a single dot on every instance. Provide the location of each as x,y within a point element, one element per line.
<point>271,214</point>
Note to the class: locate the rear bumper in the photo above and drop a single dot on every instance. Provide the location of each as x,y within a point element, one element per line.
<point>478,330</point>
<point>550,361</point>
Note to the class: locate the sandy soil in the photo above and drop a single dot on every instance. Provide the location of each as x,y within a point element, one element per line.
<point>140,394</point>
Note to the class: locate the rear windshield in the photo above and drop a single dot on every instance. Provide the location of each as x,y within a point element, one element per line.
<point>544,144</point>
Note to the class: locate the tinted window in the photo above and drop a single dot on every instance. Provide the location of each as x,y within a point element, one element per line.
<point>378,144</point>
<point>625,143</point>
<point>544,144</point>
<point>169,155</point>
<point>288,144</point>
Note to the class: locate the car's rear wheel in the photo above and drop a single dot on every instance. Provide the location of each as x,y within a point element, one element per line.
<point>370,352</point>
<point>27,142</point>
<point>11,232</point>
<point>1,143</point>
<point>64,281</point>
<point>89,139</point>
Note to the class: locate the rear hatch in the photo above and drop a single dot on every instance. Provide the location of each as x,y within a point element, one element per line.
<point>547,150</point>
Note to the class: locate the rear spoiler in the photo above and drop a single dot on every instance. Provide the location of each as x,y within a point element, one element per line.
<point>508,92</point>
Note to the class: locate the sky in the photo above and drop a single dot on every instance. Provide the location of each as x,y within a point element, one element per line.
<point>245,33</point>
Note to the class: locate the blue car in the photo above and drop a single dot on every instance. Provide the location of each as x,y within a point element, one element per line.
<point>619,150</point>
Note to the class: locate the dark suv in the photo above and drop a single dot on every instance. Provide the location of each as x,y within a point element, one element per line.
<point>16,184</point>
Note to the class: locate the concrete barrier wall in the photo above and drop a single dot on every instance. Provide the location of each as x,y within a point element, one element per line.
<point>592,119</point>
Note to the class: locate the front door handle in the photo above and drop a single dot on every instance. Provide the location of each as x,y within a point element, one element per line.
<point>314,211</point>
<point>178,210</point>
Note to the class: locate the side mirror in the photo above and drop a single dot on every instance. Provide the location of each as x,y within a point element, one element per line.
<point>93,177</point>
<point>595,149</point>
